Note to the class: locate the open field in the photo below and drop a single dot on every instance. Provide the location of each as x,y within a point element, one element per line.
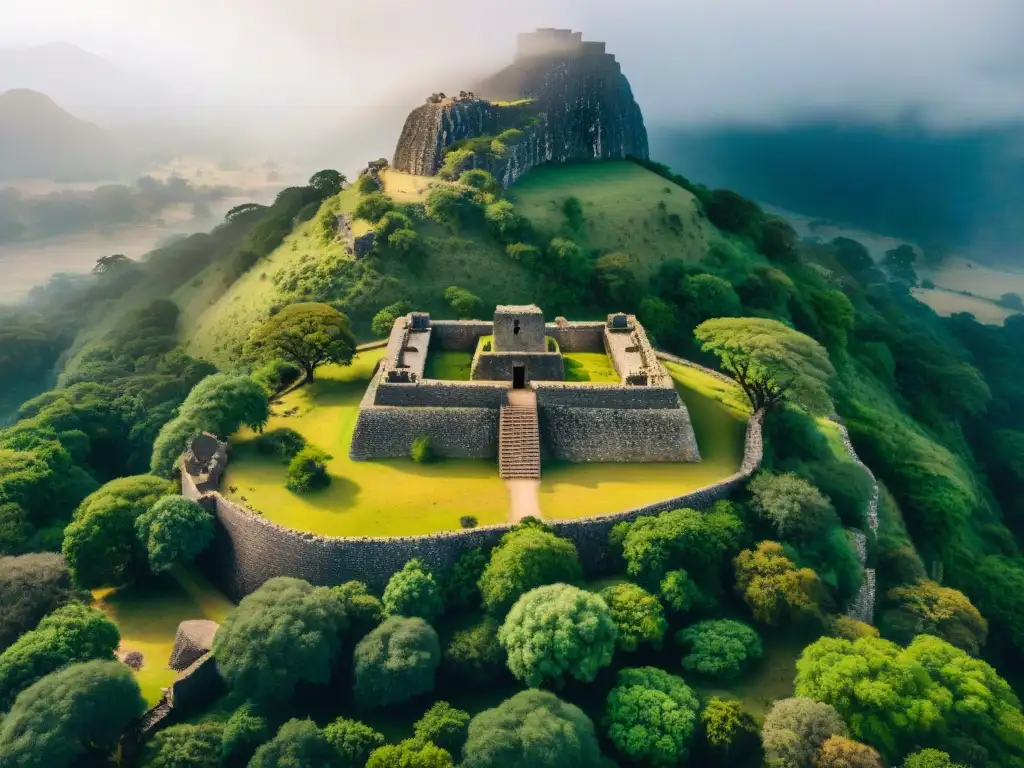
<point>719,415</point>
<point>947,303</point>
<point>148,616</point>
<point>399,497</point>
<point>406,187</point>
<point>592,367</point>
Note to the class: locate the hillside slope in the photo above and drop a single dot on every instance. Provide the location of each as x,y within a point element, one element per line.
<point>625,208</point>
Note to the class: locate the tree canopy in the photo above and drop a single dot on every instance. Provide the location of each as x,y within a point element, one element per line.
<point>770,361</point>
<point>100,544</point>
<point>533,729</point>
<point>558,631</point>
<point>720,647</point>
<point>285,633</point>
<point>78,711</point>
<point>173,531</point>
<point>31,586</point>
<point>525,558</point>
<point>353,740</point>
<point>243,733</point>
<point>794,730</point>
<point>413,591</point>
<point>395,662</point>
<point>929,608</point>
<point>637,614</point>
<point>444,725</point>
<point>796,509</point>
<point>651,716</point>
<point>774,588</point>
<point>307,334</point>
<point>411,753</point>
<point>299,743</point>
<point>185,746</point>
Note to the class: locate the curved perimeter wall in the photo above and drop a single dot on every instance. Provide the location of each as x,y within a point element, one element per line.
<point>249,549</point>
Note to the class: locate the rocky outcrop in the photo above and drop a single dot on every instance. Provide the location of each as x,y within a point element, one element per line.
<point>568,97</point>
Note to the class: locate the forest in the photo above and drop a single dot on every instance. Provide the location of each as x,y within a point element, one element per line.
<point>635,670</point>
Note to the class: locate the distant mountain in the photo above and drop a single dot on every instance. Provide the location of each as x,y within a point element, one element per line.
<point>85,84</point>
<point>39,139</point>
<point>954,189</point>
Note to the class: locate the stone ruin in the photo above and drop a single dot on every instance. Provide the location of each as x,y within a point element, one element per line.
<point>640,419</point>
<point>205,460</point>
<point>567,95</point>
<point>193,640</point>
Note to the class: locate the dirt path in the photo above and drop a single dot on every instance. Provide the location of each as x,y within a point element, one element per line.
<point>524,499</point>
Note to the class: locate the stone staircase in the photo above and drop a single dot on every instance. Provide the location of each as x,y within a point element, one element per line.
<point>519,441</point>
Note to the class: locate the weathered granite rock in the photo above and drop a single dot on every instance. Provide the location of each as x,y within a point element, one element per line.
<point>193,640</point>
<point>569,98</point>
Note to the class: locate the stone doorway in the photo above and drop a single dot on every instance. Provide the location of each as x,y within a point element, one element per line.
<point>518,377</point>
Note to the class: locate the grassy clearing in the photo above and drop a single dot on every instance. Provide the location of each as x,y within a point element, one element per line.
<point>406,187</point>
<point>398,497</point>
<point>591,367</point>
<point>448,366</point>
<point>719,413</point>
<point>625,208</point>
<point>947,303</point>
<point>148,616</point>
<point>380,498</point>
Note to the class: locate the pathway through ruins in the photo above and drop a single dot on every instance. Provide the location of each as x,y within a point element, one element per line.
<point>519,454</point>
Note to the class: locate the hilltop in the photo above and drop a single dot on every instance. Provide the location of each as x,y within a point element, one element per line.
<point>39,139</point>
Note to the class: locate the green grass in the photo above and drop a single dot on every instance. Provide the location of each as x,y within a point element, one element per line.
<point>592,367</point>
<point>448,366</point>
<point>148,616</point>
<point>365,498</point>
<point>398,497</point>
<point>622,211</point>
<point>719,413</point>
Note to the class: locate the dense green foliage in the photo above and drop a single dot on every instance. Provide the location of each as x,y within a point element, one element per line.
<point>396,662</point>
<point>527,557</point>
<point>411,753</point>
<point>475,655</point>
<point>720,648</point>
<point>445,726</point>
<point>927,608</point>
<point>173,531</point>
<point>413,591</point>
<point>307,470</point>
<point>70,716</point>
<point>242,735</point>
<point>533,729</point>
<point>773,587</point>
<point>651,716</point>
<point>185,746</point>
<point>299,743</point>
<point>73,633</point>
<point>283,634</point>
<point>558,631</point>
<point>353,740</point>
<point>219,404</point>
<point>795,729</point>
<point>637,614</point>
<point>31,586</point>
<point>101,544</point>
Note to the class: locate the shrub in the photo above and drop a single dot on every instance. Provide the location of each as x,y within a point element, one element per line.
<point>851,629</point>
<point>461,582</point>
<point>533,728</point>
<point>526,558</point>
<point>307,470</point>
<point>413,591</point>
<point>367,185</point>
<point>468,521</point>
<point>651,716</point>
<point>474,655</point>
<point>679,592</point>
<point>795,508</point>
<point>282,442</point>
<point>385,319</point>
<point>445,726</point>
<point>637,614</point>
<point>395,662</point>
<point>720,648</point>
<point>404,242</point>
<point>558,630</point>
<point>725,722</point>
<point>422,452</point>
<point>573,210</point>
<point>527,254</point>
<point>173,531</point>
<point>464,303</point>
<point>353,740</point>
<point>480,180</point>
<point>275,375</point>
<point>244,731</point>
<point>373,206</point>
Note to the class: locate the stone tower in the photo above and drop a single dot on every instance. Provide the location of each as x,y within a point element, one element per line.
<point>518,328</point>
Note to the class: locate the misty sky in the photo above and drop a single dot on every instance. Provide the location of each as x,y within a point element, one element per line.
<point>688,60</point>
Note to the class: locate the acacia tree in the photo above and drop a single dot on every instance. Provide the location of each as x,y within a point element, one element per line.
<point>308,334</point>
<point>770,361</point>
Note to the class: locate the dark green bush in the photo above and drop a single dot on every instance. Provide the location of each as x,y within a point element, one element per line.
<point>421,451</point>
<point>308,470</point>
<point>283,442</point>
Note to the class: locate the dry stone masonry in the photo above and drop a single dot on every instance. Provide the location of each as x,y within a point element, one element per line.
<point>568,97</point>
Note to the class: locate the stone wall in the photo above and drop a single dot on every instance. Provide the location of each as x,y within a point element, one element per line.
<point>459,335</point>
<point>248,549</point>
<point>195,687</point>
<point>573,394</point>
<point>457,433</point>
<point>433,393</point>
<point>617,435</point>
<point>497,366</point>
<point>578,337</point>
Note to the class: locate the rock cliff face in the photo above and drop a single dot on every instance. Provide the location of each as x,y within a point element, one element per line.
<point>568,97</point>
